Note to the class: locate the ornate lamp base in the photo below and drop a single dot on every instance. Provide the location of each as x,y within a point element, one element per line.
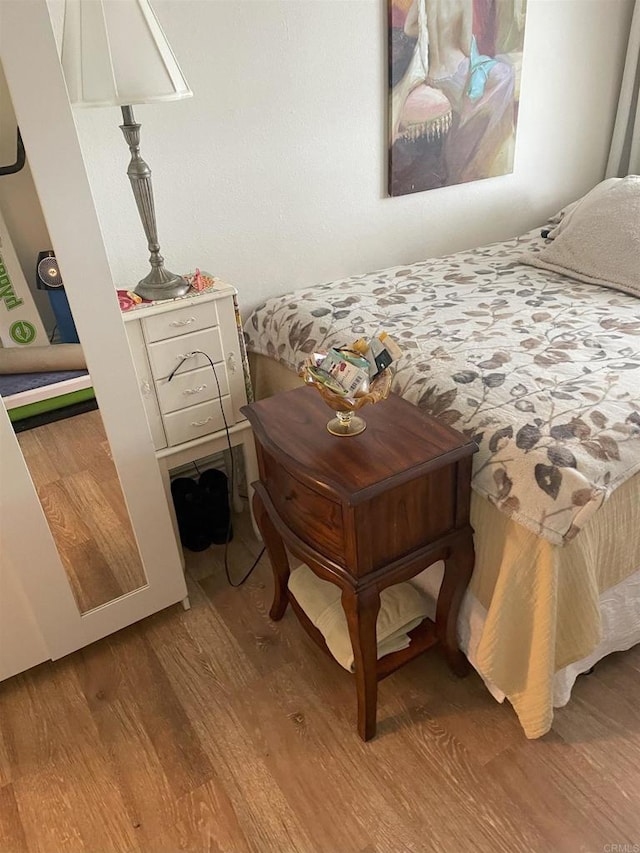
<point>162,284</point>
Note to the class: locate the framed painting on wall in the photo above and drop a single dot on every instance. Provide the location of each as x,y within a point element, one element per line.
<point>454,87</point>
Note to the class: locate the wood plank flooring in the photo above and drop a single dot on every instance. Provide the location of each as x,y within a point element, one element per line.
<point>218,730</point>
<point>71,467</point>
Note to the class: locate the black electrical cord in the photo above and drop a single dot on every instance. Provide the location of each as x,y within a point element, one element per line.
<point>253,566</point>
<point>233,470</point>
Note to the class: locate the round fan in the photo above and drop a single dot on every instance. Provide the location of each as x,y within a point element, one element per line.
<point>49,273</point>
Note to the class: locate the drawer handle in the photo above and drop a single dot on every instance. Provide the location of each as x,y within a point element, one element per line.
<point>231,362</point>
<point>183,356</point>
<point>194,390</point>
<point>183,322</point>
<point>202,423</point>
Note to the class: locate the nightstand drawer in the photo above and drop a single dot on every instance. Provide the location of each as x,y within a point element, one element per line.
<point>164,356</point>
<point>313,517</point>
<point>170,324</point>
<point>197,421</point>
<point>192,387</point>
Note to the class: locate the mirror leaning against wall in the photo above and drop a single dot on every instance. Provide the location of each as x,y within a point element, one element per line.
<point>49,396</point>
<point>40,617</point>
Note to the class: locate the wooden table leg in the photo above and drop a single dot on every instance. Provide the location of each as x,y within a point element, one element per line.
<point>457,574</point>
<point>361,610</point>
<point>278,556</point>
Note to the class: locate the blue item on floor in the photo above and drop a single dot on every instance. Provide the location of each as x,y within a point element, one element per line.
<point>66,327</point>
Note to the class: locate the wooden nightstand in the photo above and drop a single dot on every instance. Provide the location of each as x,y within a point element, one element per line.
<point>365,512</point>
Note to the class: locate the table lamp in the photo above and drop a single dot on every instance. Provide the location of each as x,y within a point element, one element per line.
<point>114,53</point>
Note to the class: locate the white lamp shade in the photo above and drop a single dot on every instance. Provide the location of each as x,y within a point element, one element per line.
<point>114,53</point>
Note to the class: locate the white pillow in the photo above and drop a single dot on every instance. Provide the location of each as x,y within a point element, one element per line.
<point>402,608</point>
<point>557,218</point>
<point>598,241</point>
<point>563,218</point>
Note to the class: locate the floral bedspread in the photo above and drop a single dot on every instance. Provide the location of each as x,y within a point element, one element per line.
<point>543,371</point>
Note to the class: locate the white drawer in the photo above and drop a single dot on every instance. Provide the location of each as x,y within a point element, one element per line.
<point>197,421</point>
<point>164,356</point>
<point>191,388</point>
<point>191,318</point>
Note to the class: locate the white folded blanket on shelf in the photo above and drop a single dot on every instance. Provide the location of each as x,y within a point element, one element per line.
<point>402,608</point>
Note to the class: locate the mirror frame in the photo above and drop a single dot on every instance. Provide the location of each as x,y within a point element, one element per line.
<point>40,101</point>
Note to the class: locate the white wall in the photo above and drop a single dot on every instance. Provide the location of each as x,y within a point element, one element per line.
<point>274,175</point>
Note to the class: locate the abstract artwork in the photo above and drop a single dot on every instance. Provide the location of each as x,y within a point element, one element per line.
<point>454,87</point>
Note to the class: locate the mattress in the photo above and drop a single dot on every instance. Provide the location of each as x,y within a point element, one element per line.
<point>28,394</point>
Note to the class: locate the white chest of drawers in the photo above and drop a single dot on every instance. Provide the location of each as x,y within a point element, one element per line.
<point>174,344</point>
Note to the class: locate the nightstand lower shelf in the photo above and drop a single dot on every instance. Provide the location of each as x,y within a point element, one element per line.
<point>423,637</point>
<point>240,437</point>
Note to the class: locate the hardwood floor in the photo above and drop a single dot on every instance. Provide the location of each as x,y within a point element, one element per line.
<point>216,729</point>
<point>71,467</point>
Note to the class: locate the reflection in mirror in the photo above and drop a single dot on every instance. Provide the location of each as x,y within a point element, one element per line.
<point>76,480</point>
<point>47,391</point>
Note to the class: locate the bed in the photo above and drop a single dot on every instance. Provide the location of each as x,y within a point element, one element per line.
<point>539,361</point>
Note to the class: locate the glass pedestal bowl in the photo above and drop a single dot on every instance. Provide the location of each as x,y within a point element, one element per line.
<point>346,422</point>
